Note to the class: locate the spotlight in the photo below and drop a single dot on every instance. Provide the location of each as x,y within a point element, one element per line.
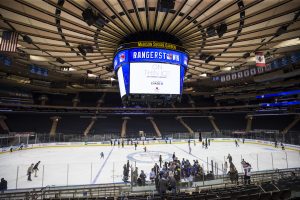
<point>280,31</point>
<point>246,55</point>
<point>211,31</point>
<point>60,60</point>
<point>221,29</point>
<point>27,39</point>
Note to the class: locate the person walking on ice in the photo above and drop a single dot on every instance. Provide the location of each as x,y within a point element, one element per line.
<point>236,143</point>
<point>36,168</point>
<point>101,155</point>
<point>29,171</point>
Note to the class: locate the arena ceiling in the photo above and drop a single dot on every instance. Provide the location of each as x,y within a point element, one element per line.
<point>57,28</point>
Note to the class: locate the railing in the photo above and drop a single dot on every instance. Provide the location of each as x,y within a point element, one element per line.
<point>114,190</point>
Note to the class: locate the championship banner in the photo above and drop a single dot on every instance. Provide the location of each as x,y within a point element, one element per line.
<point>260,59</point>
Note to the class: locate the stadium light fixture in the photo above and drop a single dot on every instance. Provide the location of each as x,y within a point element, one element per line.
<point>38,58</point>
<point>203,75</point>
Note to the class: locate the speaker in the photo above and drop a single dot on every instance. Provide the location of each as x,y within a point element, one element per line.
<point>27,39</point>
<point>88,16</point>
<point>166,5</point>
<point>211,31</point>
<point>246,55</point>
<point>221,29</point>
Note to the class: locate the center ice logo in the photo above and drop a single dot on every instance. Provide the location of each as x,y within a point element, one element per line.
<point>149,157</point>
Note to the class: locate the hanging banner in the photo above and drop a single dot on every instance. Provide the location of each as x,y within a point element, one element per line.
<point>260,59</point>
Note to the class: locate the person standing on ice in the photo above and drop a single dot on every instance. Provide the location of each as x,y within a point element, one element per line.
<point>135,146</point>
<point>29,171</point>
<point>160,160</point>
<point>236,143</point>
<point>145,149</point>
<point>275,144</point>
<point>101,155</point>
<point>36,168</point>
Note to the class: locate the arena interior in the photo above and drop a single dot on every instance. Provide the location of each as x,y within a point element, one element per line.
<point>150,99</point>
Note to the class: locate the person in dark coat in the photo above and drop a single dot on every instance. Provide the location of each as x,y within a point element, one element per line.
<point>143,178</point>
<point>163,186</point>
<point>160,160</point>
<point>3,185</point>
<point>36,168</point>
<point>172,184</point>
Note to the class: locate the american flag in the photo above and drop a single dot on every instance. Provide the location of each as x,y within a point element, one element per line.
<point>9,41</point>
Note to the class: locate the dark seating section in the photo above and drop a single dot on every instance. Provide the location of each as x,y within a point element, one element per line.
<point>73,124</point>
<point>198,124</point>
<point>110,125</point>
<point>89,99</point>
<point>227,121</point>
<point>139,123</point>
<point>168,124</point>
<point>29,122</point>
<point>271,122</point>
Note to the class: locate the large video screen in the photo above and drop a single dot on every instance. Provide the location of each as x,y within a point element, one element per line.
<point>154,78</point>
<point>121,82</point>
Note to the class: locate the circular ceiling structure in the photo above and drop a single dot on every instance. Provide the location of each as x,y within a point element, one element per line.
<point>223,30</point>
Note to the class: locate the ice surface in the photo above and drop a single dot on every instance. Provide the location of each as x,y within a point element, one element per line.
<point>82,165</point>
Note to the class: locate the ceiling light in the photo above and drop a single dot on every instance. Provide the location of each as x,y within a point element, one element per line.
<point>226,68</point>
<point>92,75</point>
<point>203,75</point>
<point>287,43</point>
<point>112,79</point>
<point>252,59</point>
<point>39,58</point>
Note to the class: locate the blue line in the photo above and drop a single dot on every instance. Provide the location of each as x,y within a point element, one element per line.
<point>100,170</point>
<point>194,156</point>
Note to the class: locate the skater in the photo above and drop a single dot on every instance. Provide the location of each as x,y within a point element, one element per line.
<point>145,149</point>
<point>122,143</point>
<point>194,142</point>
<point>275,143</point>
<point>11,149</point>
<point>119,143</point>
<point>29,171</point>
<point>173,156</point>
<point>243,140</point>
<point>282,146</point>
<point>206,145</point>
<point>203,144</point>
<point>111,142</point>
<point>236,143</point>
<point>160,161</point>
<point>135,145</point>
<point>101,155</point>
<point>190,150</point>
<point>208,142</point>
<point>36,168</point>
<point>189,142</point>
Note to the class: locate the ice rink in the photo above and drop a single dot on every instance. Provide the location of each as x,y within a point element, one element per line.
<point>82,164</point>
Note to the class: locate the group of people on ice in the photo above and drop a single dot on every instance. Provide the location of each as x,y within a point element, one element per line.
<point>33,168</point>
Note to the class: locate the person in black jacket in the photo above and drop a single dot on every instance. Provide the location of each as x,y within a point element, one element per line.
<point>35,168</point>
<point>3,185</point>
